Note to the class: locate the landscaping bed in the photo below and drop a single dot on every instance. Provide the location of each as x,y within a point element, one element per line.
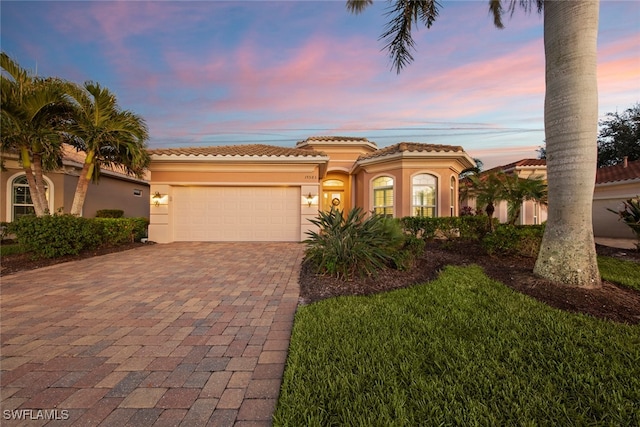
<point>617,303</point>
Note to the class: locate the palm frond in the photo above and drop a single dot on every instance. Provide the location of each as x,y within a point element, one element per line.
<point>357,6</point>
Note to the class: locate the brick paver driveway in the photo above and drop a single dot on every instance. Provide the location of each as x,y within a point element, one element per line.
<point>178,334</point>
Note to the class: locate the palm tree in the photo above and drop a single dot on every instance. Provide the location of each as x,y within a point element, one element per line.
<point>567,254</point>
<point>108,135</point>
<point>517,190</point>
<point>487,189</point>
<point>33,112</point>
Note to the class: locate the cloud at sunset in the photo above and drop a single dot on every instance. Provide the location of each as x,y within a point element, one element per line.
<point>277,72</point>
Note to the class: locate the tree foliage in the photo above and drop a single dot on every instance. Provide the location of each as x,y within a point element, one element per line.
<point>619,137</point>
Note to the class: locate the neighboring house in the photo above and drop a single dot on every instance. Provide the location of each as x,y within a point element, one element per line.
<point>614,184</point>
<point>269,193</point>
<point>532,212</point>
<point>115,190</point>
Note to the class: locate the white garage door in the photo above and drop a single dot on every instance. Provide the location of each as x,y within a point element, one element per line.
<point>225,214</point>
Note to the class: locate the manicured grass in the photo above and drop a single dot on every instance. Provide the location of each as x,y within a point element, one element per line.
<point>620,271</point>
<point>462,350</point>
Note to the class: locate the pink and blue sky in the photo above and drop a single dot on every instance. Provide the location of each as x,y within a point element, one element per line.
<point>276,72</point>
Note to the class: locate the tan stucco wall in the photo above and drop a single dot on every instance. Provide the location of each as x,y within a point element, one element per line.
<point>109,193</point>
<point>611,195</point>
<point>402,171</point>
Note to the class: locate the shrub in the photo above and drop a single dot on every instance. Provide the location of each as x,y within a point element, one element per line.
<point>466,227</point>
<point>117,231</point>
<point>53,236</point>
<point>346,245</point>
<point>521,240</point>
<point>110,213</point>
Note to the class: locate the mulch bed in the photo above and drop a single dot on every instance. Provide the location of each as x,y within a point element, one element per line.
<point>611,301</point>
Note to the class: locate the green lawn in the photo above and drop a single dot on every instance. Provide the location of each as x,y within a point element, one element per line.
<point>619,271</point>
<point>462,350</point>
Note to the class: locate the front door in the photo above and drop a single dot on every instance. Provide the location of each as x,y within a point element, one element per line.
<point>332,198</point>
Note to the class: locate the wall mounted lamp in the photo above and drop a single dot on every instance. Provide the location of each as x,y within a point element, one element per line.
<point>159,199</point>
<point>310,198</point>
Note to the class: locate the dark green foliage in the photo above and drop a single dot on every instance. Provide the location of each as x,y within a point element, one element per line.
<point>509,239</point>
<point>110,213</point>
<point>122,230</point>
<point>619,137</point>
<point>354,244</point>
<point>53,236</point>
<point>59,235</point>
<point>5,230</point>
<point>465,227</point>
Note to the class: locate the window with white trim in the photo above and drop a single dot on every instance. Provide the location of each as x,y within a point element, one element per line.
<point>452,196</point>
<point>383,196</point>
<point>21,202</point>
<point>424,190</point>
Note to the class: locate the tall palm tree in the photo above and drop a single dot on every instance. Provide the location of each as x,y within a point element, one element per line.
<point>517,190</point>
<point>567,254</point>
<point>33,113</point>
<point>108,135</point>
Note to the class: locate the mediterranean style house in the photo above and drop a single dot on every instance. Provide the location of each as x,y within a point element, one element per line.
<point>115,190</point>
<point>269,193</point>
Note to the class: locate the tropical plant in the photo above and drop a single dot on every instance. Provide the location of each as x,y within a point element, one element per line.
<point>346,245</point>
<point>630,214</point>
<point>487,189</point>
<point>33,113</point>
<point>517,190</point>
<point>567,255</point>
<point>107,134</point>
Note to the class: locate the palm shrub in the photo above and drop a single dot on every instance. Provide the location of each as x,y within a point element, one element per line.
<point>631,216</point>
<point>346,245</point>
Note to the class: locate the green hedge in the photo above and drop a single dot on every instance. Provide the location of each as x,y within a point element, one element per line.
<point>110,213</point>
<point>466,227</point>
<point>521,240</point>
<point>58,235</point>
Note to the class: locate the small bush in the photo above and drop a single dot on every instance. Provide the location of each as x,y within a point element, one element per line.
<point>631,216</point>
<point>116,231</point>
<point>53,236</point>
<point>110,213</point>
<point>352,244</point>
<point>465,227</point>
<point>521,240</point>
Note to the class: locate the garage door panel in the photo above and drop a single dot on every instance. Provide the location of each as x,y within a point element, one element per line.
<point>236,213</point>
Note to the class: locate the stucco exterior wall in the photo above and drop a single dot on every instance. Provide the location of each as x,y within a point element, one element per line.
<point>109,193</point>
<point>611,195</point>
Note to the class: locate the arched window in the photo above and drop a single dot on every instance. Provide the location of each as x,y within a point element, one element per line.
<point>383,195</point>
<point>424,192</point>
<point>21,202</point>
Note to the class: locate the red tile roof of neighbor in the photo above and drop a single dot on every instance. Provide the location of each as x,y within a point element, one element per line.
<point>519,164</point>
<point>249,150</point>
<point>621,172</point>
<point>415,147</point>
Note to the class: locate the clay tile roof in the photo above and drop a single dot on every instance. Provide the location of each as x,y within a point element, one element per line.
<point>412,147</point>
<point>618,172</point>
<point>519,164</point>
<point>337,139</point>
<point>249,150</point>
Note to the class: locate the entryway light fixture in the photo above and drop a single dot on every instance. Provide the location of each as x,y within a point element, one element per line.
<point>310,199</point>
<point>159,199</point>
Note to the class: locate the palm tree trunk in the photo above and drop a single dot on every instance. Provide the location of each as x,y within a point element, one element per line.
<point>567,254</point>
<point>490,210</point>
<point>33,188</point>
<point>83,185</point>
<point>41,193</point>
